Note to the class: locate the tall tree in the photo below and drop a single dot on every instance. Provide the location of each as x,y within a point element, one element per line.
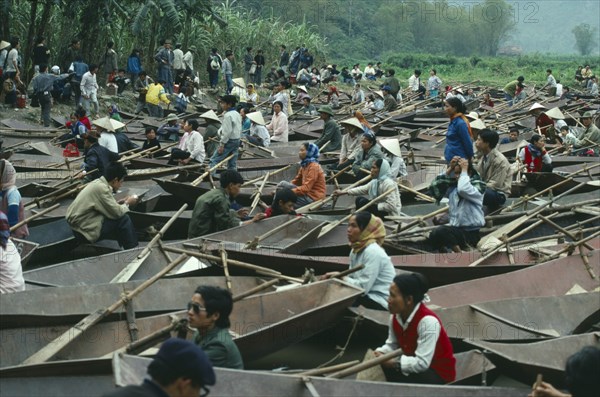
<point>585,38</point>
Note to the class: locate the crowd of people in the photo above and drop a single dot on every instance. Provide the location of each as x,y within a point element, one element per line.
<point>477,178</point>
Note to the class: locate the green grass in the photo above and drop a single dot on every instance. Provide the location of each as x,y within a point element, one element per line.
<point>489,71</point>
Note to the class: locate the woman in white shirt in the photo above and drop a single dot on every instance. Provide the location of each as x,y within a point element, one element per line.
<point>278,127</point>
<point>191,145</point>
<point>107,137</point>
<point>259,135</point>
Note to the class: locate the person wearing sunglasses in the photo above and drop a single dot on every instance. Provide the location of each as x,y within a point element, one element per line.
<point>208,313</point>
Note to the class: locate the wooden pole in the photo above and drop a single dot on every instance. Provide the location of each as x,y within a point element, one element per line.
<point>272,173</point>
<point>329,369</point>
<point>35,216</point>
<point>420,220</point>
<point>254,243</point>
<point>197,181</point>
<point>134,265</point>
<point>319,203</point>
<point>258,269</point>
<point>225,267</point>
<point>256,289</point>
<point>258,193</point>
<point>332,226</point>
<point>365,365</point>
<point>56,345</point>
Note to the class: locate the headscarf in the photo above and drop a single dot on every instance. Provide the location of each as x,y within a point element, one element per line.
<point>384,173</point>
<point>4,230</point>
<point>371,137</point>
<point>9,175</point>
<point>535,152</point>
<point>250,88</point>
<point>312,155</point>
<point>113,112</point>
<point>363,121</point>
<point>374,232</point>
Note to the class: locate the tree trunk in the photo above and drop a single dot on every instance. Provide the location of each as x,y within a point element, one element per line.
<point>4,21</point>
<point>46,13</point>
<point>30,43</point>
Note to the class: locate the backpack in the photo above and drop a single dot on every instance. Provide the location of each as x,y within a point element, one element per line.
<point>214,64</point>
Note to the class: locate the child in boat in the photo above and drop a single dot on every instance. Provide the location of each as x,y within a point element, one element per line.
<point>11,202</point>
<point>427,355</point>
<point>534,156</point>
<point>151,140</point>
<point>283,203</point>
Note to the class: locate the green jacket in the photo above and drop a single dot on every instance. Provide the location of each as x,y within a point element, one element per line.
<point>212,214</point>
<point>95,202</point>
<point>220,348</point>
<point>331,132</point>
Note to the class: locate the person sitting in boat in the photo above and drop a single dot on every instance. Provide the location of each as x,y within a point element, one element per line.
<point>191,145</point>
<point>389,102</point>
<point>278,127</point>
<point>252,97</point>
<point>302,93</point>
<point>180,368</point>
<point>307,108</point>
<point>208,313</point>
<point>513,135</point>
<point>350,144</point>
<point>259,135</point>
<point>212,211</point>
<point>581,376</point>
<point>378,103</point>
<point>211,134</point>
<point>11,202</point>
<point>427,354</point>
<point>170,130</point>
<point>333,96</point>
<point>459,138</point>
<point>590,136</point>
<point>246,123</point>
<point>96,215</point>
<point>151,140</point>
<point>11,272</point>
<point>78,130</point>
<point>543,122</point>
<point>104,127</point>
<point>392,153</point>
<point>281,94</point>
<point>369,152</point>
<point>465,189</point>
<point>534,156</point>
<point>366,234</point>
<point>494,169</point>
<point>331,138</point>
<point>381,181</point>
<point>283,203</point>
<point>309,183</point>
<point>96,158</point>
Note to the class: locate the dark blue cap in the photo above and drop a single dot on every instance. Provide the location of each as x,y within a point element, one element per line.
<point>187,359</point>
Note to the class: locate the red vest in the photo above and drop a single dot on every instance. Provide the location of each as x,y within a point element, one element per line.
<point>533,164</point>
<point>443,361</point>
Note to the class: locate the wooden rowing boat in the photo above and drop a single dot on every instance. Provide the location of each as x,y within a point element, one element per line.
<point>50,306</point>
<point>508,320</point>
<point>558,277</point>
<point>284,233</point>
<point>260,324</point>
<point>524,361</point>
<point>26,249</point>
<point>95,376</point>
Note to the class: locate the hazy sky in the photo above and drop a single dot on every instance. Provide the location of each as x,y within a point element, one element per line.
<point>545,25</point>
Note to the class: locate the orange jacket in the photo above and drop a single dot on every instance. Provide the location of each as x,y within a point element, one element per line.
<point>310,181</point>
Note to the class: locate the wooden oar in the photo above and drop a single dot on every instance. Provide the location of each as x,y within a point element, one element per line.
<point>417,193</point>
<point>264,149</point>
<point>129,270</point>
<point>365,365</point>
<point>326,229</point>
<point>254,243</point>
<point>419,220</point>
<point>15,145</point>
<point>59,343</point>
<point>258,193</point>
<point>319,203</point>
<point>259,269</point>
<point>35,216</point>
<point>198,180</point>
<point>272,173</point>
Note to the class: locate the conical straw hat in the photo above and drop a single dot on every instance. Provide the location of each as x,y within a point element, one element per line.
<point>392,146</point>
<point>210,115</point>
<point>555,113</point>
<point>256,117</point>
<point>353,122</point>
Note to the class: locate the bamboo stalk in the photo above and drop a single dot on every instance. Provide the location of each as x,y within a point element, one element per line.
<point>258,193</point>
<point>254,243</point>
<point>225,267</point>
<point>272,173</point>
<point>329,369</point>
<point>319,203</point>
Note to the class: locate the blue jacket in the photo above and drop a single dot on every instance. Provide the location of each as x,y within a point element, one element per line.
<point>134,65</point>
<point>458,140</point>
